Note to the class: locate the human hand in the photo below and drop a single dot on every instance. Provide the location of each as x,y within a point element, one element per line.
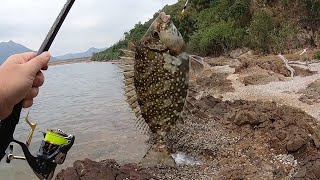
<point>20,79</point>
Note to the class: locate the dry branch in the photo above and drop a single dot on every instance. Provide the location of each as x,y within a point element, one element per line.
<point>285,60</point>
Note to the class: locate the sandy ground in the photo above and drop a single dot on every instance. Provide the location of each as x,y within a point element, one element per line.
<point>283,92</point>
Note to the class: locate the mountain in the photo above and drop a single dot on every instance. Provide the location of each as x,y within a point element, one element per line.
<point>88,53</point>
<point>9,48</point>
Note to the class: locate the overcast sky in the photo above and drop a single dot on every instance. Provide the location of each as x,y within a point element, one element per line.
<point>90,23</point>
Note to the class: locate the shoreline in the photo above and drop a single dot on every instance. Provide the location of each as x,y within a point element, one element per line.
<point>69,61</point>
<point>79,60</point>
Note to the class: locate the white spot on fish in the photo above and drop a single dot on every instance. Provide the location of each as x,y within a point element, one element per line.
<point>166,103</point>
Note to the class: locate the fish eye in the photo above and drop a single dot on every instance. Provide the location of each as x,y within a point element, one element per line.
<point>155,34</point>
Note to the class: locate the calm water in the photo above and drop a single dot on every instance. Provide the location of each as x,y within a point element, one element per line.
<point>86,100</point>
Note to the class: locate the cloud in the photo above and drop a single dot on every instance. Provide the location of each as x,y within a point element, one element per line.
<point>90,23</point>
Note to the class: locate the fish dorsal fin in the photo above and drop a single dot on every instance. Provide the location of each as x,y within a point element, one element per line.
<point>127,66</point>
<point>196,64</point>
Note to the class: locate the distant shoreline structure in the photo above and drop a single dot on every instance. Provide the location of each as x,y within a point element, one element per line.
<point>70,61</point>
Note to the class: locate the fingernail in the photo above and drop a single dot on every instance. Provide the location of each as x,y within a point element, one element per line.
<point>47,54</point>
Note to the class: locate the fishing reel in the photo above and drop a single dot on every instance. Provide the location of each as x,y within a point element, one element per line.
<point>53,151</point>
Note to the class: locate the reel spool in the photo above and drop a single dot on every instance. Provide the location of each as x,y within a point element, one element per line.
<point>53,150</point>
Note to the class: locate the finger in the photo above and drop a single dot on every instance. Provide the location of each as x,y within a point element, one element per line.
<point>45,68</point>
<point>39,80</point>
<point>28,56</point>
<point>32,93</point>
<point>27,103</point>
<point>21,58</point>
<point>37,63</point>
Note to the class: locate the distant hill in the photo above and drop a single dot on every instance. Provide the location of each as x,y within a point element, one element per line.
<point>9,48</point>
<point>88,53</point>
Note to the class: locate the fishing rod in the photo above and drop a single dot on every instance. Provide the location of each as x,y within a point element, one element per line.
<point>56,143</point>
<point>184,7</point>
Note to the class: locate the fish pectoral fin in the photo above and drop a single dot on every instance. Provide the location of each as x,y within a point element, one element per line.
<point>157,156</point>
<point>196,64</point>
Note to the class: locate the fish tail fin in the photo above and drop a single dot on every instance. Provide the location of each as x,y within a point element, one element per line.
<point>157,155</point>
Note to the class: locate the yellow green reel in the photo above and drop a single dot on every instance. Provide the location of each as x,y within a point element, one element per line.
<point>55,138</point>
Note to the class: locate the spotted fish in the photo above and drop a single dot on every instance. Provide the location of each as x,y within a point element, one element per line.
<point>156,73</point>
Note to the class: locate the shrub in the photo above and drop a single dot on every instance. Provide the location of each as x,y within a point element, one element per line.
<point>216,39</point>
<point>284,38</point>
<point>317,56</point>
<point>261,30</point>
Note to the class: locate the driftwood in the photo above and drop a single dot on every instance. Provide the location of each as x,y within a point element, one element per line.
<point>304,63</point>
<point>285,60</point>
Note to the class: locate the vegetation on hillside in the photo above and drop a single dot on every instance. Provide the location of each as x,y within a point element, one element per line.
<point>214,27</point>
<point>317,56</point>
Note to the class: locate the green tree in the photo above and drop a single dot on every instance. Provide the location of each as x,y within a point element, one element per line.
<point>261,30</point>
<point>217,38</point>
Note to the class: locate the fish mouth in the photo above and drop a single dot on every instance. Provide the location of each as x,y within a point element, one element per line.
<point>165,18</point>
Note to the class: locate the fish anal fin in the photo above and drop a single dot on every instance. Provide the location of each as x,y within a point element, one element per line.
<point>142,126</point>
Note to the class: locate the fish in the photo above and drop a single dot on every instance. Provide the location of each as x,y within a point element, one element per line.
<point>156,81</point>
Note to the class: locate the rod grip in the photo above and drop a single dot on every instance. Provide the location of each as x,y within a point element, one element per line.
<point>7,127</point>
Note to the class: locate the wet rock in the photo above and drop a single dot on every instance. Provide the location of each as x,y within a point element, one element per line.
<point>249,134</point>
<point>301,173</point>
<point>296,143</point>
<point>68,174</point>
<point>104,170</point>
<point>216,83</point>
<point>315,169</point>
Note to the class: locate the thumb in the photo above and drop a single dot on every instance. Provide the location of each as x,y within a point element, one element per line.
<point>37,63</point>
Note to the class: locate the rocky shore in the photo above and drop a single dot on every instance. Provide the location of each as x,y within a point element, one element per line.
<point>251,120</point>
